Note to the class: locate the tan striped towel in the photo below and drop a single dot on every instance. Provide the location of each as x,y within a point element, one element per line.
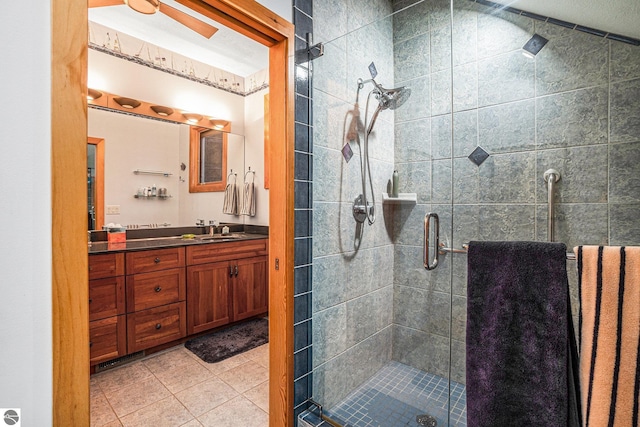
<point>609,286</point>
<point>249,200</point>
<point>230,205</point>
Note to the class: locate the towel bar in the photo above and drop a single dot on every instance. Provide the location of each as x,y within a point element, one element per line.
<point>570,255</point>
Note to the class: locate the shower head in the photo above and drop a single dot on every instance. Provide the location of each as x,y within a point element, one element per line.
<point>391,98</point>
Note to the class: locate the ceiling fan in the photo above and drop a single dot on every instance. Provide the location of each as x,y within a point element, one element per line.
<point>149,7</point>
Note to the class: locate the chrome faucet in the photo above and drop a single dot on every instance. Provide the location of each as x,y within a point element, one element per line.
<point>200,222</point>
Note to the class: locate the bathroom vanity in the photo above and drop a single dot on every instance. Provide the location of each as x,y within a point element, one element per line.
<point>151,293</point>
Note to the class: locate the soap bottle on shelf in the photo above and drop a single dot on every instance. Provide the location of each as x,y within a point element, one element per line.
<point>394,184</point>
<point>154,191</point>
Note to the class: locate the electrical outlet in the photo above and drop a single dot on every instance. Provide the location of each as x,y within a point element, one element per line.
<point>113,209</point>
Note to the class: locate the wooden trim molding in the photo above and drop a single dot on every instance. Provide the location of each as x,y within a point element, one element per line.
<point>99,201</point>
<point>195,186</point>
<point>69,137</point>
<point>70,285</point>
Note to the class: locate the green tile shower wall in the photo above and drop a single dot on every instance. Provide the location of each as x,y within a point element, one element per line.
<point>574,108</point>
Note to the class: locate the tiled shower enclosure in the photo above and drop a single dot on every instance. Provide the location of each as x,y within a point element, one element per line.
<point>573,108</point>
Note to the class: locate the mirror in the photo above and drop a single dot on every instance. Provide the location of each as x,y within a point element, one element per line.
<point>156,148</point>
<point>141,154</point>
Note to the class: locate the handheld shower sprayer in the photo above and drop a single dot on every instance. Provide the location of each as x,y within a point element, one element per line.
<point>387,99</point>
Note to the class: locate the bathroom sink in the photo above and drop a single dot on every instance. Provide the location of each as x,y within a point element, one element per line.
<point>230,236</point>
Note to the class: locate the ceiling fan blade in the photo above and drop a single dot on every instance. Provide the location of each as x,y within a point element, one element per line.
<point>189,21</point>
<point>101,3</point>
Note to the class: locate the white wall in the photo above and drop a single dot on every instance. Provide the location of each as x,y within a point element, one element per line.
<point>281,7</point>
<point>254,154</point>
<point>25,213</point>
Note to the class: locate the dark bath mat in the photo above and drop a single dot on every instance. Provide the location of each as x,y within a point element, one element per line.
<point>234,340</point>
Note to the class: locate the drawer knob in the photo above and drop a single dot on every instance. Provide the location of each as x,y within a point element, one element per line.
<point>90,300</point>
<point>90,343</point>
<point>158,289</point>
<point>157,260</point>
<point>90,268</point>
<point>158,326</point>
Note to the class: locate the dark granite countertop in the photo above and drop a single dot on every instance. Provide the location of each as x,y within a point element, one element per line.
<point>170,241</point>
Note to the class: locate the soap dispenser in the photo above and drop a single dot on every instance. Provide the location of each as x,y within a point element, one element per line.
<point>394,184</point>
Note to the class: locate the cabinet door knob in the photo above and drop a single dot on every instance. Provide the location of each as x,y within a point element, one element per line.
<point>236,272</point>
<point>90,268</point>
<point>230,271</point>
<point>158,289</point>
<point>157,260</point>
<point>90,343</point>
<point>158,326</point>
<point>90,300</point>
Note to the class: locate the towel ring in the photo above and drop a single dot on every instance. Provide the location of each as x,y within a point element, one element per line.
<point>234,174</point>
<point>248,172</point>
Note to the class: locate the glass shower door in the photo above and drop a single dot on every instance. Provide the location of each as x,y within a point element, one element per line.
<point>382,343</point>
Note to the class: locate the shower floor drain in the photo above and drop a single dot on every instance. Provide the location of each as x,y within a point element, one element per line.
<point>426,420</point>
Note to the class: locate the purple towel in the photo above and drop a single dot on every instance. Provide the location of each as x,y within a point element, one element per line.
<point>519,358</point>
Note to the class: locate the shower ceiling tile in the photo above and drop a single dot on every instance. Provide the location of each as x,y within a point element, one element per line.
<point>478,156</point>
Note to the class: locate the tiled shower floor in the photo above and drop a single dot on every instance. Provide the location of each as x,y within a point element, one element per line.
<point>396,394</point>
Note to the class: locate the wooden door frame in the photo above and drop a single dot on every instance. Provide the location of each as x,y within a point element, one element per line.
<point>70,346</point>
<point>99,182</point>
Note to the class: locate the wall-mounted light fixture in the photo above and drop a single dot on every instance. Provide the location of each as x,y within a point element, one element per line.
<point>93,94</point>
<point>533,46</point>
<point>148,7</point>
<point>162,111</point>
<point>218,124</point>
<point>192,118</point>
<point>127,102</point>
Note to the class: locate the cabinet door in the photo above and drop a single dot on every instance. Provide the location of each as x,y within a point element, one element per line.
<point>107,339</point>
<point>106,297</point>
<point>250,287</point>
<point>207,296</point>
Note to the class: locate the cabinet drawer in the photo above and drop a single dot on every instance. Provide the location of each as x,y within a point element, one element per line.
<point>154,260</point>
<point>216,252</point>
<point>107,339</point>
<point>155,326</point>
<point>106,297</point>
<point>148,290</point>
<point>106,265</point>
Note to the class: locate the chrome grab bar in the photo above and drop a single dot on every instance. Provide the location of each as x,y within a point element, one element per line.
<point>427,228</point>
<point>551,176</point>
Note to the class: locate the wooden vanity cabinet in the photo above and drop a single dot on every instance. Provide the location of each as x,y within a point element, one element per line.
<point>143,299</point>
<point>249,288</point>
<point>107,319</point>
<point>226,282</point>
<point>155,291</point>
<point>207,296</point>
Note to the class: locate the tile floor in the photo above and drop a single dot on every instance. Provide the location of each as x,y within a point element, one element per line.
<point>395,395</point>
<point>176,388</point>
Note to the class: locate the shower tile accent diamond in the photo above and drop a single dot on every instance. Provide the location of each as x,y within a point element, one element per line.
<point>478,156</point>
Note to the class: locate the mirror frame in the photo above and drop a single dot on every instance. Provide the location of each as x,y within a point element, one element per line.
<point>69,259</point>
<point>99,183</point>
<point>195,186</point>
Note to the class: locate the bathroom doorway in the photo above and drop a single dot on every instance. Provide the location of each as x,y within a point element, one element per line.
<point>70,350</point>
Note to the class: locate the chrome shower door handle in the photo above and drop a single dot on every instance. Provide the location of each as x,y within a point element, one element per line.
<point>427,228</point>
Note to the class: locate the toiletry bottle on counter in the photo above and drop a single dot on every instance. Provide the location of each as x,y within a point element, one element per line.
<point>154,190</point>
<point>394,184</point>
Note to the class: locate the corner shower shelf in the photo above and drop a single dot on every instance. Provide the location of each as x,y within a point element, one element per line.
<point>402,199</point>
